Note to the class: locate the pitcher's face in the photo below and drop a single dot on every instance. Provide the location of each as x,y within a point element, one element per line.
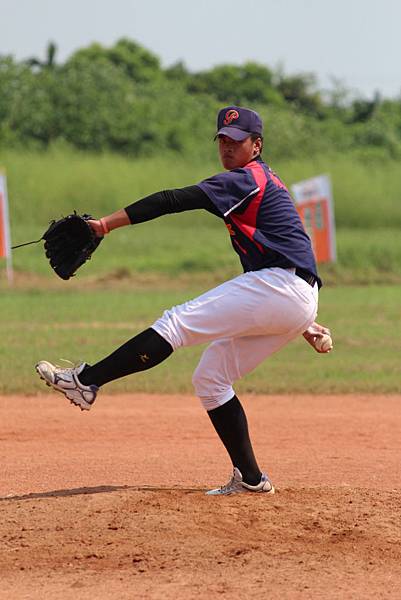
<point>234,155</point>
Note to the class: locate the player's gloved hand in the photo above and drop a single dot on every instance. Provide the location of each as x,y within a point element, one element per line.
<point>319,337</point>
<point>69,243</point>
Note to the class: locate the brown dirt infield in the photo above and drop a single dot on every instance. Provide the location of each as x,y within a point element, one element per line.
<point>109,504</point>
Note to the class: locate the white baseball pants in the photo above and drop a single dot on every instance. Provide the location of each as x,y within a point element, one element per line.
<point>247,319</point>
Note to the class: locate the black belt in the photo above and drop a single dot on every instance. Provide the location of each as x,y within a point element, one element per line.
<point>306,276</point>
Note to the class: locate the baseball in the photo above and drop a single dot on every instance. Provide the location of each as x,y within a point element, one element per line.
<point>324,343</point>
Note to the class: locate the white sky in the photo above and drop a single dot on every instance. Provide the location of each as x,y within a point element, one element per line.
<point>356,41</point>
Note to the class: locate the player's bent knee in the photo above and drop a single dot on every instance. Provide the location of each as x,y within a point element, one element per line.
<point>212,402</point>
<point>211,392</point>
<point>167,327</point>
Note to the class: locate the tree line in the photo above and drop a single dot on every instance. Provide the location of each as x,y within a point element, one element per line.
<point>120,98</point>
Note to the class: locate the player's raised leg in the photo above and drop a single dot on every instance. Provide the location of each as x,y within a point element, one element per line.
<point>80,384</point>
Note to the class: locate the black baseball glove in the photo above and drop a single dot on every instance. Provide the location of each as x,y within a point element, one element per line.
<point>69,243</point>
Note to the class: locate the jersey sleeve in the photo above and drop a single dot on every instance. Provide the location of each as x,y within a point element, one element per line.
<point>229,190</point>
<point>168,202</point>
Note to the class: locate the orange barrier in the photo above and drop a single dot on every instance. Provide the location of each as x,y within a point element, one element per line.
<point>314,202</point>
<point>315,217</point>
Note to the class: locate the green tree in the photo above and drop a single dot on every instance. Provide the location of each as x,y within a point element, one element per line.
<point>300,91</point>
<point>94,106</point>
<point>26,103</point>
<point>250,83</point>
<point>362,110</point>
<point>133,60</point>
<point>178,72</point>
<point>50,60</point>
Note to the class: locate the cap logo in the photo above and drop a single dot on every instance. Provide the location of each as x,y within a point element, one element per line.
<point>230,116</point>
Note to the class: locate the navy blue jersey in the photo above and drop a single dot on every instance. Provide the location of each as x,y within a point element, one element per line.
<point>260,215</point>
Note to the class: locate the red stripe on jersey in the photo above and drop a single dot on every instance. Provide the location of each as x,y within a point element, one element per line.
<point>246,221</point>
<point>236,242</point>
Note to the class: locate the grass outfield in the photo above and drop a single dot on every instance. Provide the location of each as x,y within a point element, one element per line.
<point>189,244</point>
<point>48,185</point>
<point>77,324</point>
<point>139,271</point>
<point>45,185</point>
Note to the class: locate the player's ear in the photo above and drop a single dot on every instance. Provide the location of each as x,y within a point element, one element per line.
<point>257,146</point>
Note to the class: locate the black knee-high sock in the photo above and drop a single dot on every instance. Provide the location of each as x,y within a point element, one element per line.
<point>230,423</point>
<point>142,352</point>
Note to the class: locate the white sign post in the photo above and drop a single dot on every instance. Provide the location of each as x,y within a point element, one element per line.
<point>5,238</point>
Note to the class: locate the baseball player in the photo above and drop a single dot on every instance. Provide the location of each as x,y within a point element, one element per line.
<point>245,319</point>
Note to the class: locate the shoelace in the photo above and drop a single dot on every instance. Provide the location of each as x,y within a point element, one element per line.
<point>69,362</point>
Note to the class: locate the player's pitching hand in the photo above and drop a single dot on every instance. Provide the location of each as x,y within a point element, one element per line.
<point>319,337</point>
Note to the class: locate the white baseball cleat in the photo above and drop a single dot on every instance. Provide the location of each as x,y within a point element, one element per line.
<point>67,382</point>
<point>237,486</point>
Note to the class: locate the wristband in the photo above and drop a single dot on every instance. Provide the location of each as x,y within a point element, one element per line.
<point>104,225</point>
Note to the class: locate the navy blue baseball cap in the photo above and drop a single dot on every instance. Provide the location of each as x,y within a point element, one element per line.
<point>238,123</point>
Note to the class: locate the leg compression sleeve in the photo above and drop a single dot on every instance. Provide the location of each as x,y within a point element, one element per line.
<point>230,423</point>
<point>144,351</point>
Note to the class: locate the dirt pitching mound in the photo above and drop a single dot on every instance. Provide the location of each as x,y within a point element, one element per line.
<point>110,503</point>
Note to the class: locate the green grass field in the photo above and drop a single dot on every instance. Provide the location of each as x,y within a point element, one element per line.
<point>137,272</point>
<point>44,186</point>
<point>81,324</point>
<point>177,245</point>
<point>48,185</point>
